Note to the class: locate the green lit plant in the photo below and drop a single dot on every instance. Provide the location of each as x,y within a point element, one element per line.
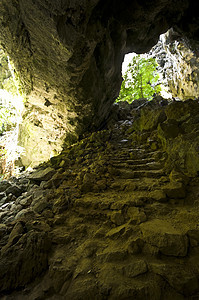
<point>140,80</point>
<point>7,118</point>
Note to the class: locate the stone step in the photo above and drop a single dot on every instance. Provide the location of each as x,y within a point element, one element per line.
<point>148,166</point>
<point>131,161</point>
<point>134,184</point>
<point>163,235</point>
<point>140,161</point>
<point>90,214</point>
<point>130,185</point>
<point>136,155</point>
<point>93,208</point>
<point>131,158</point>
<point>126,174</point>
<point>128,149</point>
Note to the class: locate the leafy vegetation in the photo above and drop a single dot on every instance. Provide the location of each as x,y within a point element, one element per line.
<point>140,80</point>
<point>8,116</point>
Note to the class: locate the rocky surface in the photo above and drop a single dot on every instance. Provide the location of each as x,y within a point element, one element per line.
<point>178,64</point>
<point>174,128</point>
<point>68,57</point>
<point>107,218</point>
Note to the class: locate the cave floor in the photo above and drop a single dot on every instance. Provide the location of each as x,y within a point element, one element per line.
<point>103,220</point>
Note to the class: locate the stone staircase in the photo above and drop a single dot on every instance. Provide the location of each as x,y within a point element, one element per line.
<point>128,236</point>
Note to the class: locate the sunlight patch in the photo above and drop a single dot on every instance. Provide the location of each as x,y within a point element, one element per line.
<point>11,107</point>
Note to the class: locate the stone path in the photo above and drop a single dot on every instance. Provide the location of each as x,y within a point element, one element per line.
<point>101,221</point>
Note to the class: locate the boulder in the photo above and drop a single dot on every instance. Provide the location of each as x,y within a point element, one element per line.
<point>169,240</point>
<point>42,174</point>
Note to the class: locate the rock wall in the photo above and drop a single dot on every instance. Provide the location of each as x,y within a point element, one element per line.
<point>68,55</point>
<point>174,129</point>
<point>4,69</point>
<point>178,64</point>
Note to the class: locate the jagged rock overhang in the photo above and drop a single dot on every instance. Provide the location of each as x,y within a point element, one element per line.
<point>68,56</point>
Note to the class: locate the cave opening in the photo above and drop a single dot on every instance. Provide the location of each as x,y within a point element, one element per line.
<point>169,69</point>
<point>172,70</point>
<point>11,107</point>
<point>142,78</point>
<point>114,215</point>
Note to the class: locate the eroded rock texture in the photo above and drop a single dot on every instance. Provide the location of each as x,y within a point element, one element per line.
<point>68,55</point>
<point>179,65</point>
<point>108,218</point>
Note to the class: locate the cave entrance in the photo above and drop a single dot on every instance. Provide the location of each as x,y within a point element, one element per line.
<point>142,78</point>
<point>170,69</point>
<point>11,107</point>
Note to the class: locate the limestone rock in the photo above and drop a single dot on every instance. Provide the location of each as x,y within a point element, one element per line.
<point>135,268</point>
<point>158,195</point>
<point>42,175</point>
<point>165,237</point>
<point>86,287</point>
<point>3,230</point>
<point>41,205</point>
<point>4,185</point>
<point>150,117</point>
<point>179,138</point>
<point>22,213</point>
<point>129,240</point>
<point>14,190</point>
<point>176,176</point>
<point>138,289</point>
<point>116,232</point>
<point>30,262</point>
<point>111,255</point>
<point>193,235</point>
<point>169,129</point>
<point>175,190</point>
<point>179,65</point>
<point>117,218</point>
<point>179,277</point>
<point>136,215</point>
<point>2,195</point>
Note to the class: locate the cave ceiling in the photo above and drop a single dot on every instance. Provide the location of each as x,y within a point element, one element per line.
<point>68,54</point>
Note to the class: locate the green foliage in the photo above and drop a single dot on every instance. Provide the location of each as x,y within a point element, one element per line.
<point>140,80</point>
<point>7,118</point>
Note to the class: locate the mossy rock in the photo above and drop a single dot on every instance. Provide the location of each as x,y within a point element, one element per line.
<point>149,119</point>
